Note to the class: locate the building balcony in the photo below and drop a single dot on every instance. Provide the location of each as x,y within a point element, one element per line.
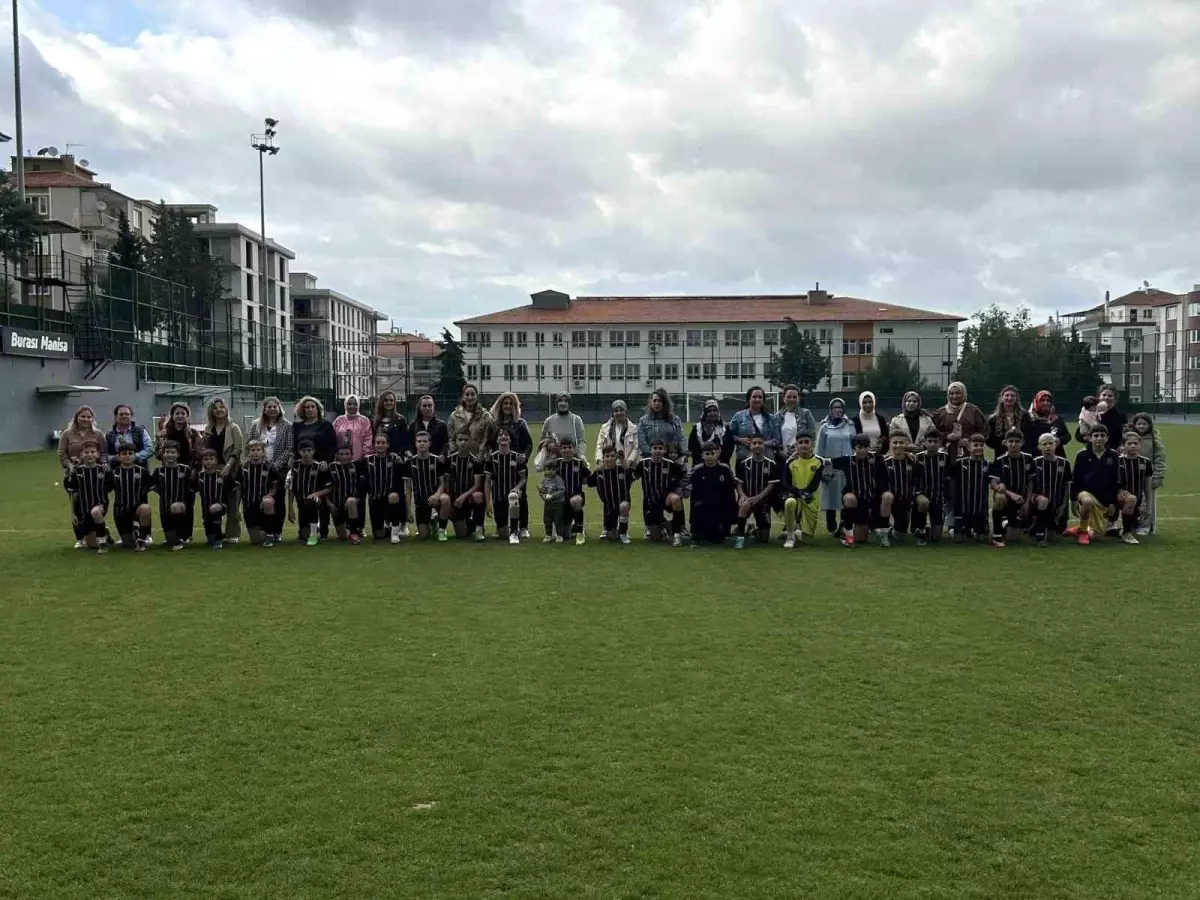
<point>99,221</point>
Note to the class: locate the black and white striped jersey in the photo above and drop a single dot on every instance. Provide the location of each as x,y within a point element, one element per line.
<point>574,472</point>
<point>1050,478</point>
<point>426,473</point>
<point>1014,472</point>
<point>754,475</point>
<point>935,471</point>
<point>308,480</point>
<point>659,477</point>
<point>505,471</point>
<point>258,480</point>
<point>212,488</point>
<point>131,487</point>
<point>1133,475</point>
<point>384,475</point>
<point>612,485</point>
<point>972,486</point>
<point>463,470</point>
<point>346,480</point>
<point>89,487</point>
<point>904,477</point>
<point>174,484</point>
<point>866,476</point>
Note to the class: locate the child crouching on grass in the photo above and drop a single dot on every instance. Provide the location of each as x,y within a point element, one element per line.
<point>176,494</point>
<point>714,498</point>
<point>262,496</point>
<point>87,485</point>
<point>131,504</point>
<point>214,489</point>
<point>801,489</point>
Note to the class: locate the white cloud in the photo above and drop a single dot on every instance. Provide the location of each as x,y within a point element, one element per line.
<point>442,160</point>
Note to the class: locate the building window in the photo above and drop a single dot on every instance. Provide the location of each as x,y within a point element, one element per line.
<point>848,347</point>
<point>887,330</point>
<point>1170,338</point>
<point>825,336</point>
<point>1172,312</point>
<point>557,373</point>
<point>558,338</point>
<point>539,339</point>
<point>633,339</point>
<point>508,373</point>
<point>748,370</point>
<point>847,380</point>
<point>508,339</point>
<point>710,370</point>
<point>1106,340</point>
<point>485,339</point>
<point>249,287</point>
<point>1194,362</point>
<point>616,339</point>
<point>731,337</point>
<point>731,370</point>
<point>748,337</point>
<point>578,372</point>
<point>1135,379</point>
<point>770,337</point>
<point>249,255</point>
<point>710,337</point>
<point>656,371</point>
<point>672,372</point>
<point>949,329</point>
<point>578,338</point>
<point>616,372</point>
<point>472,373</point>
<point>1194,309</point>
<point>654,338</point>
<point>539,372</point>
<point>693,371</point>
<point>1194,336</point>
<point>282,263</point>
<point>670,338</point>
<point>594,370</point>
<point>633,372</point>
<point>1135,359</point>
<point>856,348</point>
<point>522,338</point>
<point>522,373</point>
<point>39,202</point>
<point>694,338</point>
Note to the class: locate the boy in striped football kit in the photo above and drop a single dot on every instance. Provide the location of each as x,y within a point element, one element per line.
<point>308,485</point>
<point>757,482</point>
<point>176,490</point>
<point>574,472</point>
<point>464,482</point>
<point>131,505</point>
<point>662,480</point>
<point>1012,482</point>
<point>866,483</point>
<point>904,476</point>
<point>344,495</point>
<point>972,491</point>
<point>427,474</point>
<point>1049,480</point>
<point>384,475</point>
<point>929,513</point>
<point>505,473</point>
<point>214,489</point>
<point>612,482</point>
<point>1133,481</point>
<point>87,485</point>
<point>802,477</point>
<point>262,491</point>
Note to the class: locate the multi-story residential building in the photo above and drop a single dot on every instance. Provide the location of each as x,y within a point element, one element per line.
<point>1147,343</point>
<point>714,345</point>
<point>346,327</point>
<point>83,216</point>
<point>406,363</point>
<point>263,319</point>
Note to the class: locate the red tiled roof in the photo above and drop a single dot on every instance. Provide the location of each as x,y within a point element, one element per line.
<point>391,346</point>
<point>57,179</point>
<point>1151,297</point>
<point>707,311</point>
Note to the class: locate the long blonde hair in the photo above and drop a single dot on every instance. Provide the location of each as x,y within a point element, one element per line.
<point>499,405</point>
<point>210,425</point>
<point>262,413</point>
<point>74,426</point>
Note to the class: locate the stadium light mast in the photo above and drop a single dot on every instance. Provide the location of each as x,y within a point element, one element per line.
<point>265,145</point>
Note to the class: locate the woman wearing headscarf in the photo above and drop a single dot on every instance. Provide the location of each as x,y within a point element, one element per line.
<point>753,421</point>
<point>1043,418</point>
<point>354,429</point>
<point>506,416</point>
<point>711,427</point>
<point>660,422</point>
<point>913,420</point>
<point>1009,414</point>
<point>958,420</point>
<point>833,442</point>
<point>871,423</point>
<point>794,420</point>
<point>426,420</point>
<point>620,433</point>
<point>563,423</point>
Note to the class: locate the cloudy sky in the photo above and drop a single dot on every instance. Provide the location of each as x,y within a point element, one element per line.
<point>443,159</point>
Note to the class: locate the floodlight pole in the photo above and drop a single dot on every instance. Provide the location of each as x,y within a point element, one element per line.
<point>20,136</point>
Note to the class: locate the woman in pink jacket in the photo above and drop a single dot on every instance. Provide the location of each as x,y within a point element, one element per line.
<point>353,429</point>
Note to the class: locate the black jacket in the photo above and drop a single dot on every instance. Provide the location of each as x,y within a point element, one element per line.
<point>1035,428</point>
<point>322,435</point>
<point>439,434</point>
<point>995,436</point>
<point>1115,421</point>
<point>519,438</point>
<point>1096,474</point>
<point>397,432</point>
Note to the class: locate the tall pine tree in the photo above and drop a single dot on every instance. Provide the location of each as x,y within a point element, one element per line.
<point>452,376</point>
<point>799,361</point>
<point>191,278</point>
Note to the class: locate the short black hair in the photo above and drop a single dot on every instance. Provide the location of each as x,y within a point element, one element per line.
<point>860,440</point>
<point>658,441</point>
<point>977,439</point>
<point>567,442</point>
<point>1014,433</point>
<point>710,445</point>
<point>607,449</point>
<point>305,445</point>
<point>932,432</point>
<point>126,447</point>
<point>1098,428</point>
<point>208,451</point>
<point>171,445</point>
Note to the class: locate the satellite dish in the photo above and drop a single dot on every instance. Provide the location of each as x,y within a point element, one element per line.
<point>101,205</point>
<point>85,162</point>
<point>53,151</point>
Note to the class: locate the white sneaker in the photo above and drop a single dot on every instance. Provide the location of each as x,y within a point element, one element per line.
<point>625,539</point>
<point>1143,531</point>
<point>148,540</point>
<point>525,534</point>
<point>603,534</point>
<point>677,540</point>
<point>558,539</point>
<point>789,542</point>
<point>513,539</point>
<point>79,545</point>
<point>403,531</point>
<point>395,535</point>
<point>798,534</point>
<point>548,539</point>
<point>1128,538</point>
<point>236,540</point>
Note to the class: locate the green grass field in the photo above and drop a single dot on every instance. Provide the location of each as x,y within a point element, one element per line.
<point>485,721</point>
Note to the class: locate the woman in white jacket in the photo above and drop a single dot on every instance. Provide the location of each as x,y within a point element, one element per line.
<point>619,432</point>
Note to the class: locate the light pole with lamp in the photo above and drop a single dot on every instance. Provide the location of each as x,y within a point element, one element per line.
<point>265,144</point>
<point>17,104</point>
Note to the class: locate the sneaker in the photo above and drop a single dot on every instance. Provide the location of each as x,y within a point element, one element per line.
<point>739,543</point>
<point>1143,531</point>
<point>558,539</point>
<point>998,542</point>
<point>175,548</point>
<point>103,548</point>
<point>624,538</point>
<point>442,536</point>
<point>580,539</point>
<point>686,535</point>
<point>313,540</point>
<point>1084,538</point>
<point>1126,538</point>
<point>604,534</point>
<point>79,545</point>
<point>514,540</point>
<point>480,537</point>
<point>677,540</point>
<point>884,540</point>
<point>789,541</point>
<point>148,540</point>
<point>233,540</point>
<point>268,541</point>
<point>1043,541</point>
<point>395,535</point>
<point>525,535</point>
<point>216,545</point>
<point>356,539</point>
<point>921,541</point>
<point>848,540</point>
<point>403,532</point>
<point>139,547</point>
<point>548,539</point>
<point>1073,531</point>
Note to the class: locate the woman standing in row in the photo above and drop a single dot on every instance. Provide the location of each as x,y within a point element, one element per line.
<point>391,422</point>
<point>506,419</point>
<point>276,433</point>
<point>563,423</point>
<point>427,422</point>
<point>871,423</point>
<point>660,422</point>
<point>177,427</point>
<point>354,429</point>
<point>914,421</point>
<point>620,434</point>
<point>834,442</point>
<point>82,428</point>
<point>1008,416</point>
<point>127,431</point>
<point>753,421</point>
<point>223,436</point>
<point>471,419</point>
<point>710,429</point>
<point>794,420</point>
<point>1044,419</point>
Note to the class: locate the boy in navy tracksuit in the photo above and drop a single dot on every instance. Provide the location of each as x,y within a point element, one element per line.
<point>714,498</point>
<point>1094,489</point>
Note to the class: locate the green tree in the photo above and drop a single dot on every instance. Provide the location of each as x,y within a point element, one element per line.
<point>190,280</point>
<point>130,250</point>
<point>894,374</point>
<point>451,376</point>
<point>799,361</point>
<point>1001,348</point>
<point>18,223</point>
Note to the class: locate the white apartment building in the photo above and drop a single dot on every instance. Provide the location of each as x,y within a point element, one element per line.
<point>343,329</point>
<point>406,363</point>
<point>709,345</point>
<point>261,320</point>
